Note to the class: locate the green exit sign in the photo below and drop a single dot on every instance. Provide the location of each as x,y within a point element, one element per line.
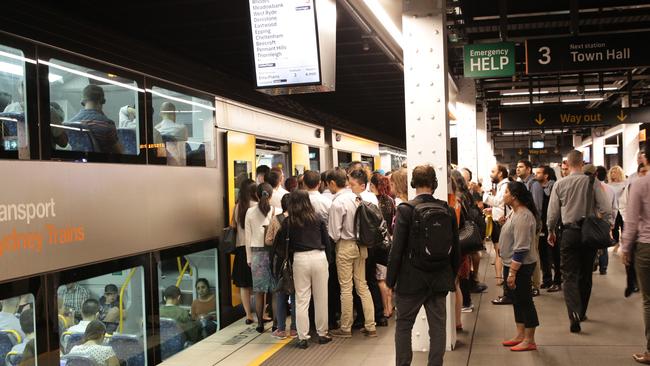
<point>489,60</point>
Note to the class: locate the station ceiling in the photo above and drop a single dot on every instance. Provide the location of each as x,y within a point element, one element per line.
<point>369,81</point>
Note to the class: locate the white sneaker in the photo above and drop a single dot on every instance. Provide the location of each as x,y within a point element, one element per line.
<point>467,309</point>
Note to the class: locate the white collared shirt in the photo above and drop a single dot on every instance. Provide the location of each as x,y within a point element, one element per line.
<point>498,206</point>
<point>321,204</point>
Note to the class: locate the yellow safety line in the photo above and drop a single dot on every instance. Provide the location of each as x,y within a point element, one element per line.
<point>270,352</point>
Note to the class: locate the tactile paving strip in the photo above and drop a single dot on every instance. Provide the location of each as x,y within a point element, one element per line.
<point>316,354</point>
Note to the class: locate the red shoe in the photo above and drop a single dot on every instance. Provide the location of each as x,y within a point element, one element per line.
<point>511,343</point>
<point>529,347</point>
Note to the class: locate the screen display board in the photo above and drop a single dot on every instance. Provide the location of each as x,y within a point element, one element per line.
<point>285,43</point>
<point>587,53</point>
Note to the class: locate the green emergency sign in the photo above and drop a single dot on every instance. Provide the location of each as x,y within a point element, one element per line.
<point>489,60</point>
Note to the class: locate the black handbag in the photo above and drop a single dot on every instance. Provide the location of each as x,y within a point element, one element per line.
<point>285,277</point>
<point>595,232</point>
<point>469,238</point>
<point>229,241</point>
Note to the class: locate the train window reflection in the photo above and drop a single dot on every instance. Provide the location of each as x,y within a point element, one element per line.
<point>102,318</point>
<point>184,125</point>
<point>13,125</point>
<point>92,111</point>
<point>188,300</point>
<point>18,331</point>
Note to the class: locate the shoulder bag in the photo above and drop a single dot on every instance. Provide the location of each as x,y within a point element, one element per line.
<point>285,279</point>
<point>595,232</point>
<point>469,235</point>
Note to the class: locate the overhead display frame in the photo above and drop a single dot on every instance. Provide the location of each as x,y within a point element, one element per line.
<point>285,43</point>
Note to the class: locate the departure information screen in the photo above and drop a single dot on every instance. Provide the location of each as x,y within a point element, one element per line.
<point>285,43</point>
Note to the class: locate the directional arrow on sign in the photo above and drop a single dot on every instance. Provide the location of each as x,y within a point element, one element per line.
<point>539,120</point>
<point>621,116</point>
<point>520,152</point>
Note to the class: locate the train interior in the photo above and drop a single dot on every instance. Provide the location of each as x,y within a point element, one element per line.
<point>12,98</point>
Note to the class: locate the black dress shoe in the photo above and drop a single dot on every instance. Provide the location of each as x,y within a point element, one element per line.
<point>303,344</point>
<point>249,321</point>
<point>502,300</point>
<point>575,323</point>
<point>260,329</point>
<point>535,292</point>
<point>324,339</point>
<point>555,288</point>
<point>545,285</point>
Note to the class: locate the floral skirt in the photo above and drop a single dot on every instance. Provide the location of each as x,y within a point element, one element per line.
<point>261,270</point>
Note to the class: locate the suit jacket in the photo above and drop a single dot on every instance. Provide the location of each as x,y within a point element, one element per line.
<point>402,275</point>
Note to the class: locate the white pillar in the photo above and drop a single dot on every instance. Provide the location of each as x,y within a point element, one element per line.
<point>466,126</point>
<point>630,147</point>
<point>424,32</point>
<point>598,150</point>
<point>486,158</point>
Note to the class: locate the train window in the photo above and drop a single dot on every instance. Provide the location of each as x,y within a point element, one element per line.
<point>13,125</point>
<point>183,128</point>
<point>104,317</point>
<point>188,300</point>
<point>17,330</point>
<point>92,111</point>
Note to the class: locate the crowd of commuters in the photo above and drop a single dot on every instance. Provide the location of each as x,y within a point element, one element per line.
<point>532,216</point>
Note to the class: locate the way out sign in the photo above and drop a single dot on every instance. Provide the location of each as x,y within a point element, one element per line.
<point>489,60</point>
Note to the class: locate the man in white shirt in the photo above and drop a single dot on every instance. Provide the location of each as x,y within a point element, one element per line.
<point>27,326</point>
<point>494,198</point>
<point>275,179</point>
<point>324,188</point>
<point>321,204</point>
<point>168,128</point>
<point>350,257</point>
<point>261,173</point>
<point>7,318</point>
<point>89,312</point>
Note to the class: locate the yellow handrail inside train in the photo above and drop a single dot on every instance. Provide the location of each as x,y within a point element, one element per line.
<point>178,263</point>
<point>180,277</point>
<point>124,286</point>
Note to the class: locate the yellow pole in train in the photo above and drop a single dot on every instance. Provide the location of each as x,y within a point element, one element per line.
<point>180,277</point>
<point>124,286</point>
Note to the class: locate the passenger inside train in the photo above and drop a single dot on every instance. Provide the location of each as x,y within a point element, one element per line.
<point>17,328</point>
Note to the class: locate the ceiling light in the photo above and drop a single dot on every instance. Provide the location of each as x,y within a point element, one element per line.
<point>180,100</point>
<point>11,68</point>
<point>17,57</point>
<point>594,89</point>
<point>54,77</point>
<point>594,99</point>
<point>525,92</point>
<point>521,103</point>
<point>90,76</point>
<point>381,15</point>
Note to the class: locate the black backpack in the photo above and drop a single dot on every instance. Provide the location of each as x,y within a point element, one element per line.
<point>431,234</point>
<point>370,228</point>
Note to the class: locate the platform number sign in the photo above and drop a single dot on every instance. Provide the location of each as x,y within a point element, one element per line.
<point>587,53</point>
<point>489,60</point>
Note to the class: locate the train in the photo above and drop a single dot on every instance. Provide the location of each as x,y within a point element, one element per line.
<point>96,223</point>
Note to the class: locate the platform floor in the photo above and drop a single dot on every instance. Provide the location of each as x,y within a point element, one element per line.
<point>612,333</point>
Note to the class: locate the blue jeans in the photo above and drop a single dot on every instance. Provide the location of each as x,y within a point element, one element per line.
<point>281,307</point>
<point>603,260</point>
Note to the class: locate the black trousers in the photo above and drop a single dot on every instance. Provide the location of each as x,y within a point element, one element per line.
<point>408,307</point>
<point>373,287</point>
<point>522,297</point>
<point>333,296</point>
<point>577,266</point>
<point>545,261</point>
<point>618,227</point>
<point>556,259</point>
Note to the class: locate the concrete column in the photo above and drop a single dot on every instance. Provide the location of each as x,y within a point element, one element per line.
<point>466,126</point>
<point>424,32</point>
<point>598,150</point>
<point>630,141</point>
<point>486,158</point>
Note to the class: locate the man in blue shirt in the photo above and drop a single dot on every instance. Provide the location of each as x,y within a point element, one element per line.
<point>92,118</point>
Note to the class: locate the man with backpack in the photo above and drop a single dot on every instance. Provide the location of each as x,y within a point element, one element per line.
<point>423,264</point>
<point>350,256</point>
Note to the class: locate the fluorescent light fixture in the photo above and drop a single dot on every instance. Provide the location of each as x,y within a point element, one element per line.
<point>90,76</point>
<point>538,144</point>
<point>611,150</point>
<point>605,88</point>
<point>53,78</point>
<point>525,92</point>
<point>381,15</point>
<point>522,103</point>
<point>17,57</point>
<point>11,68</point>
<point>591,99</point>
<point>180,100</point>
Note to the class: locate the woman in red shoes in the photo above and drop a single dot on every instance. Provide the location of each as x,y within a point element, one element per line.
<point>519,256</point>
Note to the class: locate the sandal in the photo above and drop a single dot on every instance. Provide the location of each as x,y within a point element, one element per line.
<point>528,347</point>
<point>642,358</point>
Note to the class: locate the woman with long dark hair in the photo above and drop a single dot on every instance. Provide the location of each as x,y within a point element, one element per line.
<point>519,260</point>
<point>308,242</point>
<point>380,187</point>
<point>94,347</point>
<point>257,254</point>
<point>241,272</point>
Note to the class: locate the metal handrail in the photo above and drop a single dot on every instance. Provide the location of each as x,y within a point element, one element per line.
<point>124,286</point>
